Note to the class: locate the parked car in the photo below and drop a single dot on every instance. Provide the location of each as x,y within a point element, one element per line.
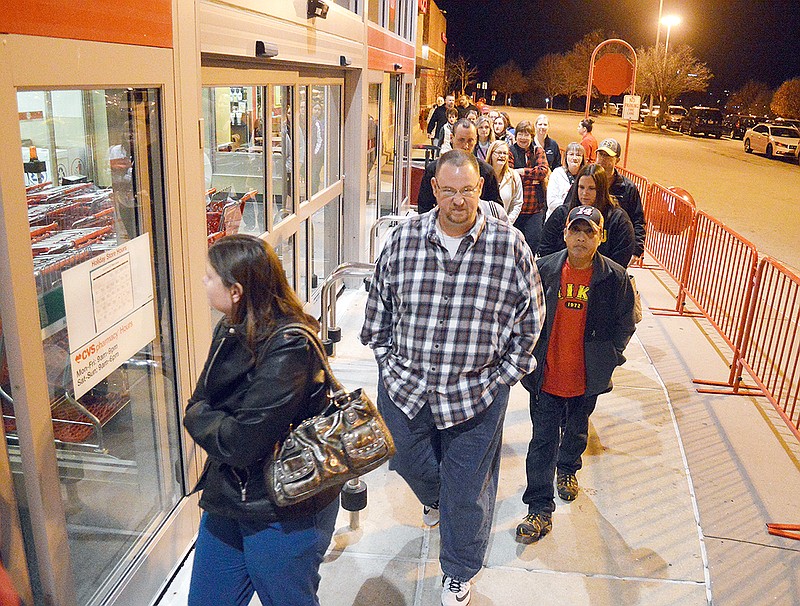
<point>786,122</point>
<point>702,120</point>
<point>772,140</point>
<point>644,111</point>
<point>610,109</point>
<point>674,115</point>
<point>737,124</point>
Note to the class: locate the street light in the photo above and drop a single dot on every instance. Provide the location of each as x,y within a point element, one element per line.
<point>669,21</point>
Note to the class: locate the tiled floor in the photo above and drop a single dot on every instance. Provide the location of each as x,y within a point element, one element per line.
<point>635,533</point>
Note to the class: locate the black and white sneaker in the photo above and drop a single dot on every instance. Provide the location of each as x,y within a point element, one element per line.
<point>455,593</point>
<point>430,514</point>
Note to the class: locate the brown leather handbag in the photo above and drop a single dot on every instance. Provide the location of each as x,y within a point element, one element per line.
<point>347,439</point>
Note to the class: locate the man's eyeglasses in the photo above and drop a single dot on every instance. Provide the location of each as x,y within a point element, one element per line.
<point>465,192</point>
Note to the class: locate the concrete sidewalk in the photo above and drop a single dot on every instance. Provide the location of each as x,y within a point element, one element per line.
<point>675,490</point>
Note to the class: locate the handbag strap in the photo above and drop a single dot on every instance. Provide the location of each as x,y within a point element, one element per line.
<point>330,378</point>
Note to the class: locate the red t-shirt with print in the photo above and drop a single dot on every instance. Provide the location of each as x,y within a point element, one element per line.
<point>565,367</point>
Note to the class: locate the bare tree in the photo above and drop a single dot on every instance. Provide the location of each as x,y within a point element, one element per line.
<point>460,71</point>
<point>550,76</point>
<point>667,75</point>
<point>753,98</point>
<point>786,101</point>
<point>576,64</point>
<point>508,79</point>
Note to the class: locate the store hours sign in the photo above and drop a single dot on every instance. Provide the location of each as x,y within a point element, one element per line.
<point>110,311</point>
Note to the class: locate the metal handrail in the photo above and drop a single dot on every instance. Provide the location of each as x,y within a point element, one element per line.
<point>373,232</point>
<point>328,302</point>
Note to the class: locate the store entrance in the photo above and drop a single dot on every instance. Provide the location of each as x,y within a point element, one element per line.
<point>95,192</point>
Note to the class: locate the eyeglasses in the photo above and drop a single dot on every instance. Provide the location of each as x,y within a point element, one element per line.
<point>465,192</point>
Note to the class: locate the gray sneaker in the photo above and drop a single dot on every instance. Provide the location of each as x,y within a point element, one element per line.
<point>430,514</point>
<point>455,593</point>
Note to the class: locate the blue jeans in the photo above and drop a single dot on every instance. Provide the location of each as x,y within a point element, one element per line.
<point>531,227</point>
<point>550,447</point>
<point>457,466</point>
<point>232,560</point>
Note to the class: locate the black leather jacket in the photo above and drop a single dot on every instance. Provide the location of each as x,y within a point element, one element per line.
<point>609,321</point>
<point>242,406</point>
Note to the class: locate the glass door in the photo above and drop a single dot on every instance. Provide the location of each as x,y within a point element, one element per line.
<point>95,187</point>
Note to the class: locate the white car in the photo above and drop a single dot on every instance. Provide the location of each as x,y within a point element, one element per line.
<point>772,140</point>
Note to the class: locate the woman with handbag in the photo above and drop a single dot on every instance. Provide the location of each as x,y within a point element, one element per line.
<point>258,381</point>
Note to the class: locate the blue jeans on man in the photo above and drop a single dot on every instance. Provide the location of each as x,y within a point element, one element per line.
<point>458,467</point>
<point>553,448</point>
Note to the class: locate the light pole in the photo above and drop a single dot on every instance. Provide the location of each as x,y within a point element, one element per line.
<point>669,21</point>
<point>658,25</point>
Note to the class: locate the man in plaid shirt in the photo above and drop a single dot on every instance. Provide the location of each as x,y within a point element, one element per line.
<point>453,315</point>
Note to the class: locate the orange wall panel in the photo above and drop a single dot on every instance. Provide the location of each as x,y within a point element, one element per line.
<point>140,22</point>
<point>384,50</point>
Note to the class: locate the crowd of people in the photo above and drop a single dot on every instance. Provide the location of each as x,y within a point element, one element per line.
<point>513,270</point>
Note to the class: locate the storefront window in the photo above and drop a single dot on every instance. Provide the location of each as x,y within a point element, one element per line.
<point>302,142</point>
<point>96,208</point>
<point>285,252</point>
<point>302,261</point>
<point>234,160</point>
<point>373,149</point>
<point>325,131</point>
<point>282,155</point>
<point>388,130</point>
<point>324,242</point>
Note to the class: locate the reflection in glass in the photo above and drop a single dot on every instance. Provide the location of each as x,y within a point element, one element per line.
<point>388,136</point>
<point>281,146</point>
<point>324,141</point>
<point>285,252</point>
<point>324,240</point>
<point>93,161</point>
<point>302,262</point>
<point>373,137</point>
<point>234,160</point>
<point>302,144</point>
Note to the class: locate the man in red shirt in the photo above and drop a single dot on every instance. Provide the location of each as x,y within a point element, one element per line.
<point>589,322</point>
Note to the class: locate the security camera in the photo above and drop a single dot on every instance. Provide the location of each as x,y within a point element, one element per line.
<point>317,8</point>
<point>344,61</point>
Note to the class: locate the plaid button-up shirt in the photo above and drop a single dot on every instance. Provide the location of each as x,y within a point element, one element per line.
<point>533,161</point>
<point>447,332</point>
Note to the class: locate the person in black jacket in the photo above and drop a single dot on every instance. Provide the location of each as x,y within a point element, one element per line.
<point>589,321</point>
<point>624,191</point>
<point>465,137</point>
<point>591,188</point>
<point>258,381</point>
<point>439,119</point>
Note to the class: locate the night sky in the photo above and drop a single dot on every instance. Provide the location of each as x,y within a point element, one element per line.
<point>740,40</point>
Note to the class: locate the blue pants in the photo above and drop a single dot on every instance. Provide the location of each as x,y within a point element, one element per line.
<point>457,466</point>
<point>550,447</point>
<point>232,560</point>
<point>531,227</point>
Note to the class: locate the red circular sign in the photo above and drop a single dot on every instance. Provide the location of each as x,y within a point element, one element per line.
<point>613,74</point>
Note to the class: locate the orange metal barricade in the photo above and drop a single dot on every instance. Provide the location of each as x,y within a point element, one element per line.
<point>720,281</point>
<point>670,230</point>
<point>770,351</point>
<point>643,185</point>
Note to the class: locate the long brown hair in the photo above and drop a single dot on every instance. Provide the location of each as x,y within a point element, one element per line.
<point>267,299</point>
<point>604,200</point>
